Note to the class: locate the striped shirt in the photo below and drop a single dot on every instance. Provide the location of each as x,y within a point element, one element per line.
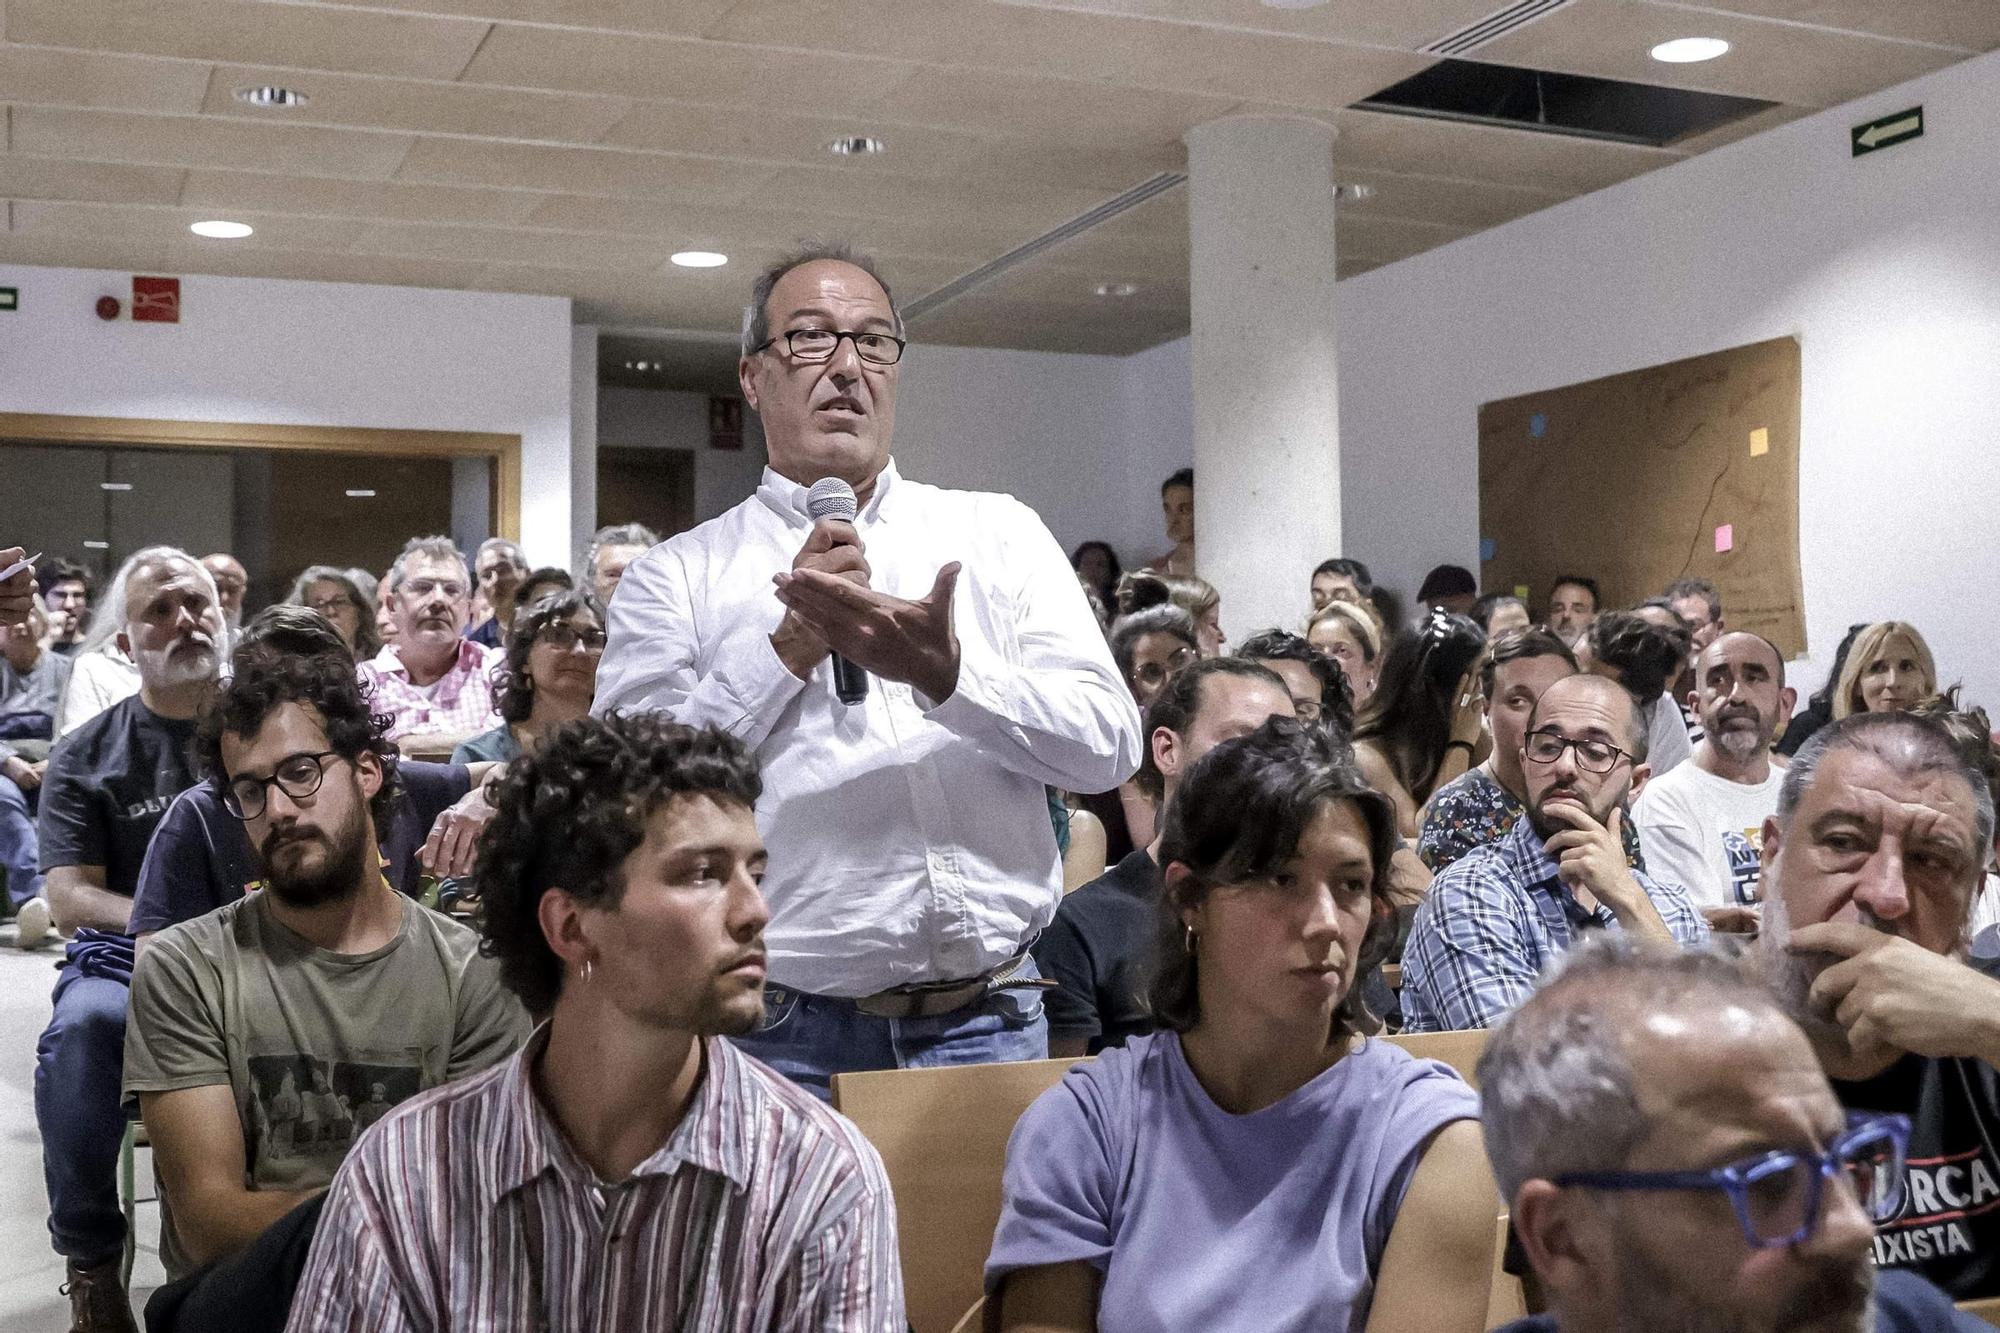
<point>466,1209</point>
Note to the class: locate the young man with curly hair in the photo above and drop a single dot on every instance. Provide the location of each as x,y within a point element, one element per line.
<point>629,1169</point>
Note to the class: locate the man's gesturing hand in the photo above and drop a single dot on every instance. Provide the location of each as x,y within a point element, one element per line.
<point>1592,857</point>
<point>912,642</point>
<point>833,547</point>
<point>1891,992</point>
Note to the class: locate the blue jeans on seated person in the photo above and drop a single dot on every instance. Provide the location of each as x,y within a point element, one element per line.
<point>20,851</point>
<point>79,1067</point>
<point>810,1038</point>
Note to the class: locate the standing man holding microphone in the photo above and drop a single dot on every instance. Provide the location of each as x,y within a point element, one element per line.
<point>912,858</point>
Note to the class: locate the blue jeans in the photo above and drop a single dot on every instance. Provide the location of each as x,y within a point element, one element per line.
<point>810,1038</point>
<point>20,852</point>
<point>79,1065</point>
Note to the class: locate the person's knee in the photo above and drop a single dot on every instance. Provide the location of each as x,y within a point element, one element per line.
<point>89,1017</point>
<point>13,801</point>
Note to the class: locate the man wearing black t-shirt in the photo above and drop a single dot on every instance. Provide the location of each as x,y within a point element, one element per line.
<point>1870,866</point>
<point>108,783</point>
<point>1098,946</point>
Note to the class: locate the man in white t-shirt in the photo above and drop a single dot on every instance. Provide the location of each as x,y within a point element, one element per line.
<point>1701,825</point>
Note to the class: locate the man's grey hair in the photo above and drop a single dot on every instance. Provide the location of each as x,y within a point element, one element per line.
<point>428,548</point>
<point>110,619</point>
<point>619,534</point>
<point>512,550</point>
<point>1909,742</point>
<point>1556,1087</point>
<point>1681,590</point>
<point>756,315</point>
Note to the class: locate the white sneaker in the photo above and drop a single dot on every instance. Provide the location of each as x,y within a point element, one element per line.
<point>31,923</point>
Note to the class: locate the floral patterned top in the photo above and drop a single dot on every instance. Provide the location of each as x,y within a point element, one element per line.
<point>1473,810</point>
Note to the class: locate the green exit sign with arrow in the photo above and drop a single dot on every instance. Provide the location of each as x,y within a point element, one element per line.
<point>1888,131</point>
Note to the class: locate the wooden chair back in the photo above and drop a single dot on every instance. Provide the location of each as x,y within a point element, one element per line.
<point>1988,1309</point>
<point>1460,1050</point>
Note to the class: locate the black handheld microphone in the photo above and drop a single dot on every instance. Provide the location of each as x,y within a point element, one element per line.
<point>830,497</point>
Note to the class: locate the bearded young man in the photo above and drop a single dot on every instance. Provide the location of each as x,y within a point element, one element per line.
<point>266,1035</point>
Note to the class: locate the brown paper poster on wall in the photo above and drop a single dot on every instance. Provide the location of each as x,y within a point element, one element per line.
<point>1690,468</point>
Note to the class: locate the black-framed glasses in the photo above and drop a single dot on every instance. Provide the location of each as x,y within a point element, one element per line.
<point>297,775</point>
<point>1777,1195</point>
<point>564,637</point>
<point>1545,747</point>
<point>877,349</point>
<point>1151,674</point>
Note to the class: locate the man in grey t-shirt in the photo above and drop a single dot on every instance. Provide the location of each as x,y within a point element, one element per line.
<point>266,1035</point>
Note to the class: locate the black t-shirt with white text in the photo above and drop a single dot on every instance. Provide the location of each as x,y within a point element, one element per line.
<point>1949,1226</point>
<point>107,785</point>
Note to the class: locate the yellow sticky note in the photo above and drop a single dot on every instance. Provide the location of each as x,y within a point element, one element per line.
<point>1760,442</point>
<point>1521,591</point>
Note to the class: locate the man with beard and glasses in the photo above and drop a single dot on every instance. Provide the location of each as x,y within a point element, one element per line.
<point>260,1031</point>
<point>630,1168</point>
<point>106,786</point>
<point>1496,917</point>
<point>1870,866</point>
<point>431,680</point>
<point>1673,1160</point>
<point>1702,824</point>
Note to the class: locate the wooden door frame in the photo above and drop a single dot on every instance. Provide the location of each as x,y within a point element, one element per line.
<point>504,451</point>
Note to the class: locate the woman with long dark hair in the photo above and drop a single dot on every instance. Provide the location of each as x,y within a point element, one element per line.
<point>548,677</point>
<point>1425,723</point>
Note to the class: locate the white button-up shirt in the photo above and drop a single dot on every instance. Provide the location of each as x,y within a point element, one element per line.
<point>909,841</point>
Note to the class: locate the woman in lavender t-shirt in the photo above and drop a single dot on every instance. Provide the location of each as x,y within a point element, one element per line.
<point>1255,1164</point>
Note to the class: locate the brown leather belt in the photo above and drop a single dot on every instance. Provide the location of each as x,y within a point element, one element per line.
<point>929,999</point>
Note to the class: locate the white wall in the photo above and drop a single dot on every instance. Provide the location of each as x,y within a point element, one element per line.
<point>308,353</point>
<point>668,419</point>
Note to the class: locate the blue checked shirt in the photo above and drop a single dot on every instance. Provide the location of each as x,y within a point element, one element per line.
<point>1494,920</point>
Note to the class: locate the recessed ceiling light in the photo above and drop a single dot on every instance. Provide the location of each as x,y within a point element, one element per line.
<point>1690,50</point>
<point>271,95</point>
<point>856,145</point>
<point>1117,289</point>
<point>1353,194</point>
<point>114,485</point>
<point>700,259</point>
<point>361,495</point>
<point>97,546</point>
<point>222,231</point>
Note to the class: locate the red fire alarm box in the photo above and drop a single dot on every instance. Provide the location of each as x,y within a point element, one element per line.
<point>156,300</point>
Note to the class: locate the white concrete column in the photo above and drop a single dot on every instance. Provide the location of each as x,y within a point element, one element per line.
<point>1266,408</point>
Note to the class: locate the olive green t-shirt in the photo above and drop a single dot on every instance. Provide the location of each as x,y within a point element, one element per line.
<point>316,1046</point>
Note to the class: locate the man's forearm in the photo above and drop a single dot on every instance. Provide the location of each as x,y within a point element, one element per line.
<point>75,903</point>
<point>220,1225</point>
<point>1637,915</point>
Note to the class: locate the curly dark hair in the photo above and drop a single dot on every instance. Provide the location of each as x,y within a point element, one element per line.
<point>266,679</point>
<point>1238,816</point>
<point>1646,655</point>
<point>514,691</point>
<point>570,813</point>
<point>1336,696</point>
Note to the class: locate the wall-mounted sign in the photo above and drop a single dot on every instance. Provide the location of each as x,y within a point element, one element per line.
<point>725,423</point>
<point>1888,131</point>
<point>10,298</point>
<point>156,300</point>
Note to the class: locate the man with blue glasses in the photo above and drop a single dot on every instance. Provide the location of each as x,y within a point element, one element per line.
<point>1674,1160</point>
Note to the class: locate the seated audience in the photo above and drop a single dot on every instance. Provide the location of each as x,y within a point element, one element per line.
<point>547,677</point>
<point>1672,1158</point>
<point>1177,504</point>
<point>1342,578</point>
<point>107,784</point>
<point>1147,647</point>
<point>102,673</point>
<point>1870,867</point>
<point>1702,824</point>
<point>1889,669</point>
<point>385,609</point>
<point>31,678</point>
<point>232,583</point>
<point>1502,913</point>
<point>67,595</point>
<point>1573,603</point>
<point>611,551</point>
<point>199,858</point>
<point>1423,725</point>
<point>1254,1164</point>
<point>1099,947</point>
<point>1196,596</point>
<point>736,1200</point>
<point>347,607</point>
<point>540,583</point>
<point>1387,604</point>
<point>1971,732</point>
<point>1097,568</point>
<point>1645,657</point>
<point>1697,602</point>
<point>1819,707</point>
<point>500,567</point>
<point>1661,612</point>
<point>431,681</point>
<point>31,685</point>
<point>1318,687</point>
<point>1499,612</point>
<point>267,1035</point>
<point>1349,634</point>
<point>1450,588</point>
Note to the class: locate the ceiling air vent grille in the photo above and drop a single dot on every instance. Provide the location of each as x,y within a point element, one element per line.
<point>1496,24</point>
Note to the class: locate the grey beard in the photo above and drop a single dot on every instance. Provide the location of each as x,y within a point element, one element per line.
<point>1737,743</point>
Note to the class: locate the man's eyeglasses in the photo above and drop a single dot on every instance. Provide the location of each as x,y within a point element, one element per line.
<point>564,638</point>
<point>450,589</point>
<point>326,606</point>
<point>877,349</point>
<point>1777,1195</point>
<point>1545,747</point>
<point>297,775</point>
<point>1153,674</point>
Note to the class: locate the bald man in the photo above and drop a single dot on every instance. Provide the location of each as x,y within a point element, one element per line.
<point>1499,915</point>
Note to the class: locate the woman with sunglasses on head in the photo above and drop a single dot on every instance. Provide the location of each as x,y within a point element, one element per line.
<point>548,677</point>
<point>1148,646</point>
<point>1255,1163</point>
<point>1425,723</point>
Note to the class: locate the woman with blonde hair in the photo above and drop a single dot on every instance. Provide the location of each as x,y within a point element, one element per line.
<point>1889,670</point>
<point>1196,596</point>
<point>1348,633</point>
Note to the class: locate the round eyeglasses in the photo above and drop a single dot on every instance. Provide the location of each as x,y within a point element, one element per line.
<point>877,349</point>
<point>297,776</point>
<point>1545,747</point>
<point>1153,674</point>
<point>564,638</point>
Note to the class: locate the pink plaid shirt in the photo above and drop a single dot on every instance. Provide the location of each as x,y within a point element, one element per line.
<point>459,703</point>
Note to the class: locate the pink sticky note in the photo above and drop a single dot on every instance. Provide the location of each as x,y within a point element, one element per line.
<point>1725,537</point>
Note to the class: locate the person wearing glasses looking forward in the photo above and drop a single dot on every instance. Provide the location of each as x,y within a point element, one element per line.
<point>1498,916</point>
<point>548,678</point>
<point>1672,1158</point>
<point>432,681</point>
<point>912,855</point>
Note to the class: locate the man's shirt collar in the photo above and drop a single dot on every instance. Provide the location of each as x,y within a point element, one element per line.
<point>787,498</point>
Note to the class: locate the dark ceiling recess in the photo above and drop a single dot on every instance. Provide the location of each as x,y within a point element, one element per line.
<point>1533,99</point>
